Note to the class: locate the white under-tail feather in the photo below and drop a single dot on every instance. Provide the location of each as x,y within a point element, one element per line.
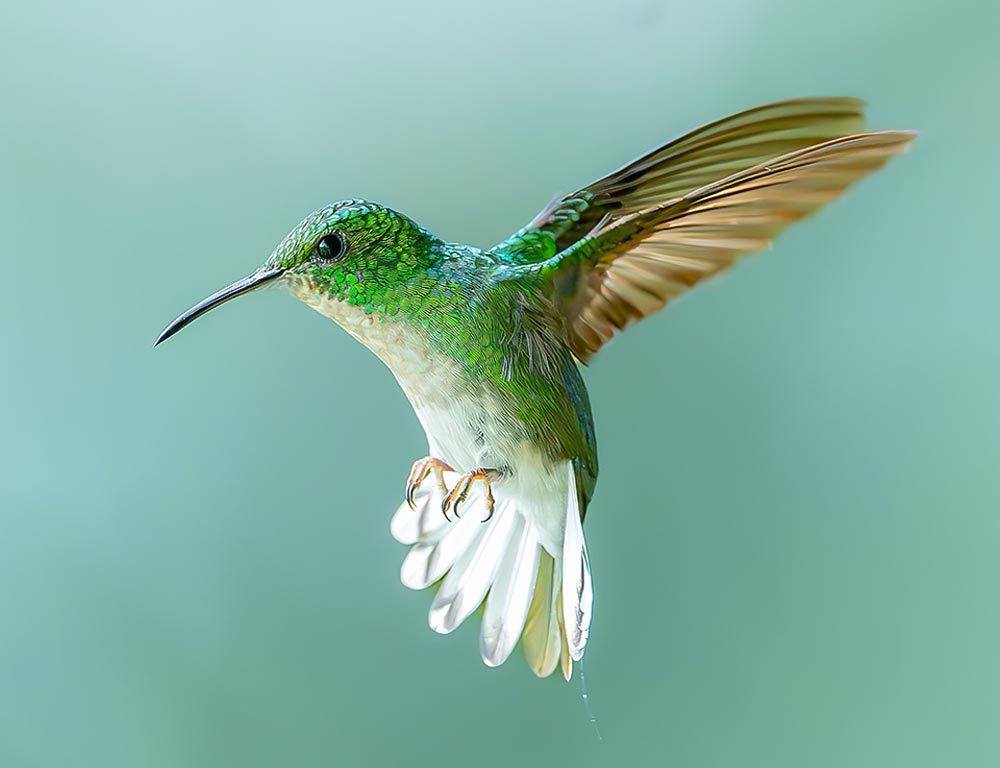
<point>578,591</point>
<point>544,597</point>
<point>543,636</point>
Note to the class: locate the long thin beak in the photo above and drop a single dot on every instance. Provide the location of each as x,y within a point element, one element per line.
<point>238,288</point>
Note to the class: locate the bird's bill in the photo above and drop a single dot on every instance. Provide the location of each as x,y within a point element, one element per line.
<point>238,288</point>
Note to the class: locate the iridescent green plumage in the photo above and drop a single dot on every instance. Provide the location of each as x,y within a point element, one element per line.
<point>486,343</point>
<point>465,304</point>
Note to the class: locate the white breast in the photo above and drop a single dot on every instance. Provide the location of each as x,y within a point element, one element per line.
<point>462,424</point>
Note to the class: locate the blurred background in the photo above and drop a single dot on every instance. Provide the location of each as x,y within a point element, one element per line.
<point>795,535</point>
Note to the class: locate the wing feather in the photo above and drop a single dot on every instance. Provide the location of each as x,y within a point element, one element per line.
<point>711,152</point>
<point>634,264</point>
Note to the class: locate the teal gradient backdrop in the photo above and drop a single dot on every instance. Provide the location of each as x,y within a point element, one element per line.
<point>795,535</point>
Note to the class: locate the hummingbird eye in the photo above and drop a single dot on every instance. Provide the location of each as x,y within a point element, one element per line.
<point>331,247</point>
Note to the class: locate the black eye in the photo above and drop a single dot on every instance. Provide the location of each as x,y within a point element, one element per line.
<point>331,247</point>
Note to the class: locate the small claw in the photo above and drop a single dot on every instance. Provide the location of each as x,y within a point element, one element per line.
<point>419,473</point>
<point>411,493</point>
<point>453,499</point>
<point>413,482</point>
<point>489,503</point>
<point>460,493</point>
<point>444,508</point>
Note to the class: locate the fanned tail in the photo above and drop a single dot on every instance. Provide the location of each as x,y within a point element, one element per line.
<point>529,592</point>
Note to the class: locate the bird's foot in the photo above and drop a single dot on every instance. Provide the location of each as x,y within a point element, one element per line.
<point>419,473</point>
<point>460,492</point>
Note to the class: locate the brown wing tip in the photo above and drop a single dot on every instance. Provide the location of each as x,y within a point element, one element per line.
<point>895,142</point>
<point>851,102</point>
<point>906,136</point>
<point>846,104</point>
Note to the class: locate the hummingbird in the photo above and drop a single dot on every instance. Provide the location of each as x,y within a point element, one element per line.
<point>488,344</point>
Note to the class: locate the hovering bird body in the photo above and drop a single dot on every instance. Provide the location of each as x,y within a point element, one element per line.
<point>477,346</point>
<point>486,344</point>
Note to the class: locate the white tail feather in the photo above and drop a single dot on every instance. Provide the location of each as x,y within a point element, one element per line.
<point>510,596</point>
<point>578,592</point>
<point>545,596</point>
<point>424,522</point>
<point>542,634</point>
<point>429,560</point>
<point>463,589</point>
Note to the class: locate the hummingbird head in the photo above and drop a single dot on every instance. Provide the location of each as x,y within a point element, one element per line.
<point>355,253</point>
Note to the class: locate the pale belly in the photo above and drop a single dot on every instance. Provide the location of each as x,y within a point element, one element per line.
<point>467,435</point>
<point>464,422</point>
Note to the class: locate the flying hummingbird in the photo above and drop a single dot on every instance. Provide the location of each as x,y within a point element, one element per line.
<point>488,344</point>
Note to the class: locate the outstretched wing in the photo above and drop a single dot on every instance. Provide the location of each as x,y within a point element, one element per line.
<point>631,265</point>
<point>705,155</point>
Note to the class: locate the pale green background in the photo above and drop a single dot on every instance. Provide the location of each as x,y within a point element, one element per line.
<point>795,538</point>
